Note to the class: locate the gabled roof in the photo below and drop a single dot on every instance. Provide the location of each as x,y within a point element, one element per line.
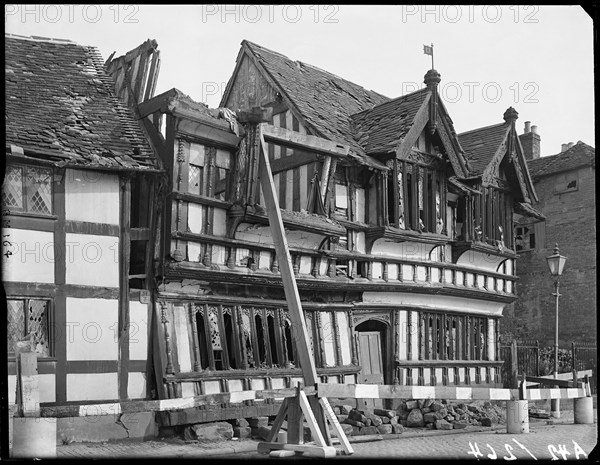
<point>579,155</point>
<point>60,106</point>
<point>324,100</point>
<point>480,145</point>
<point>380,129</point>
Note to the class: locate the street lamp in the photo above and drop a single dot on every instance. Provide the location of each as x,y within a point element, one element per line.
<point>556,263</point>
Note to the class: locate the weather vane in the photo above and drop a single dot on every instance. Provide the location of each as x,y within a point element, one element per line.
<point>428,50</point>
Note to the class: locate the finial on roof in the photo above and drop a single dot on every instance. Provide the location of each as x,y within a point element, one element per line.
<point>511,115</point>
<point>432,78</point>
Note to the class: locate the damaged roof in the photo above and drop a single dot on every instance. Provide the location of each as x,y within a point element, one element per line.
<point>60,106</point>
<point>579,155</point>
<point>382,128</point>
<point>326,101</point>
<point>481,144</point>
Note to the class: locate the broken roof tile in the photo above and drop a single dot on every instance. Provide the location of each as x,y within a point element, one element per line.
<point>59,97</point>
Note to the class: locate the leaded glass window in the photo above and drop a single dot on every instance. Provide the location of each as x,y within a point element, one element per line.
<point>29,318</point>
<point>28,189</point>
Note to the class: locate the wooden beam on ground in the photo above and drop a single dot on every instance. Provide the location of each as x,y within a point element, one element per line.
<point>288,138</point>
<point>306,449</point>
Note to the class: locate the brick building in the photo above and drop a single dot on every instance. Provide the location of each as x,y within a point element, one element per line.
<point>565,185</point>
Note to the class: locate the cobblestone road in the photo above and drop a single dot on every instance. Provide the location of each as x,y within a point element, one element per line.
<point>544,442</point>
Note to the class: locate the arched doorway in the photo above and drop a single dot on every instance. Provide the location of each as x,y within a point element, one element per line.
<point>373,350</point>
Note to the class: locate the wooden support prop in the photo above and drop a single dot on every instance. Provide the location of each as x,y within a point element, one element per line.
<point>300,405</point>
<point>28,394</point>
<point>329,413</point>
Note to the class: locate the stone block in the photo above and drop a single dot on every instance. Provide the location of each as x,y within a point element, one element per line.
<point>459,424</point>
<point>449,418</point>
<point>397,429</point>
<point>442,425</point>
<point>368,430</point>
<point>350,421</point>
<point>485,421</point>
<point>345,427</point>
<point>384,412</point>
<point>355,430</point>
<point>345,409</point>
<point>385,420</point>
<point>341,418</point>
<point>436,406</point>
<point>213,431</point>
<point>241,422</point>
<point>415,419</point>
<point>428,403</point>
<point>403,415</point>
<point>368,422</point>
<point>357,416</point>
<point>403,422</point>
<point>425,410</point>
<point>384,429</point>
<point>394,421</point>
<point>411,405</point>
<point>336,410</point>
<point>430,417</point>
<point>242,432</point>
<point>258,422</point>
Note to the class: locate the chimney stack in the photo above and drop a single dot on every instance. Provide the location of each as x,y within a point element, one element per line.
<point>571,144</point>
<point>530,140</point>
<point>564,147</point>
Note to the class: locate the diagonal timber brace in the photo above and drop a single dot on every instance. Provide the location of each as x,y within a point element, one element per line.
<point>309,407</point>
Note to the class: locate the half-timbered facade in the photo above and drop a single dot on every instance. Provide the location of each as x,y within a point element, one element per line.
<point>77,206</point>
<point>401,240</point>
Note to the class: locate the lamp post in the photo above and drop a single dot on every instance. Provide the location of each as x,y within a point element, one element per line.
<point>556,263</point>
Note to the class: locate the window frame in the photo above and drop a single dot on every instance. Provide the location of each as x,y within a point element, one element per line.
<point>50,324</point>
<point>25,208</point>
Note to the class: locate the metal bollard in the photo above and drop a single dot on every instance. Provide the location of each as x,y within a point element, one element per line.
<point>517,416</point>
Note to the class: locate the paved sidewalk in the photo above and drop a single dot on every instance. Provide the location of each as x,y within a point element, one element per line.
<point>426,443</point>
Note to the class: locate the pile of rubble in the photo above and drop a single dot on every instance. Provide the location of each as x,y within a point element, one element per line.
<point>423,413</point>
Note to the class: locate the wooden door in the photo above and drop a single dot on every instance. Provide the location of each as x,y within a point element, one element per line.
<point>372,365</point>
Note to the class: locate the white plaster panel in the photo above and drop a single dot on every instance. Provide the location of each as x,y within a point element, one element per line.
<point>438,375</point>
<point>92,260</point>
<point>333,380</point>
<point>341,196</point>
<point>421,273</point>
<point>197,154</point>
<point>376,270</point>
<point>360,244</point>
<point>414,335</point>
<point>470,279</point>
<point>407,273</point>
<point>427,376</point>
<point>12,389</point>
<point>448,276</point>
<point>491,340</point>
<point>328,338</point>
<point>276,178</point>
<point>138,334</point>
<point>278,383</point>
<point>92,325</point>
<point>92,196</point>
<point>509,286</point>
<point>305,264</point>
<point>342,321</point>
<point>323,267</point>
<point>472,374</point>
<point>193,252</point>
<point>480,281</point>
<point>258,384</point>
<point>240,255</point>
<point>490,283</point>
<point>349,379</point>
<point>392,271</point>
<point>180,326</point>
<point>450,376</point>
<point>195,217</point>
<point>460,278</point>
<point>404,335</point>
<point>136,385</point>
<point>480,260</point>
<point>188,389</point>
<point>435,274</point>
<point>295,381</point>
<point>92,386</point>
<point>443,302</point>
<point>219,218</point>
<point>500,285</point>
<point>303,186</point>
<point>235,385</point>
<point>303,239</point>
<point>360,205</point>
<point>223,159</point>
<point>218,256</point>
<point>32,258</point>
<point>289,190</point>
<point>264,260</point>
<point>212,387</point>
<point>461,374</point>
<point>406,250</point>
